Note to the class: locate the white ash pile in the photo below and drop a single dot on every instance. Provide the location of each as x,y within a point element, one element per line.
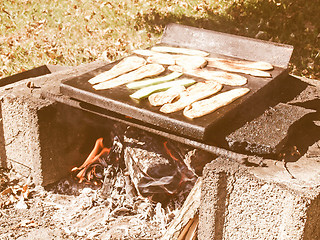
<point>118,216</point>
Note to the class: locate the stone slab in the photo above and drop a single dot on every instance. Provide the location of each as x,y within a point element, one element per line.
<point>268,133</point>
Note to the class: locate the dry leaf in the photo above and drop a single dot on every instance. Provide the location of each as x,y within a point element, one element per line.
<point>7,191</point>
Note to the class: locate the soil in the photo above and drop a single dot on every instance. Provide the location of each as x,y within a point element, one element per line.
<point>69,210</point>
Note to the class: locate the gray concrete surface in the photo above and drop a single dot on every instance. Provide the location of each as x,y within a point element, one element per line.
<point>268,133</point>
<point>260,203</point>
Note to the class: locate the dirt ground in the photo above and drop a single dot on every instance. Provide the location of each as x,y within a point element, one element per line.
<point>69,210</point>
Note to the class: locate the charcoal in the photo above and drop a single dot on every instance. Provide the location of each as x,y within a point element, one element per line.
<point>268,133</point>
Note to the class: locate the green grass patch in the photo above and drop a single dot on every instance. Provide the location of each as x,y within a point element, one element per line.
<point>34,32</point>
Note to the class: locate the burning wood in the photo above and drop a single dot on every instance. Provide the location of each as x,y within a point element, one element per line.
<point>196,160</point>
<point>156,170</point>
<point>145,166</point>
<point>185,224</point>
<point>88,170</point>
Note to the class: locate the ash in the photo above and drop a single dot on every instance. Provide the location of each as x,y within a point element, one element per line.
<point>87,213</point>
<point>69,210</point>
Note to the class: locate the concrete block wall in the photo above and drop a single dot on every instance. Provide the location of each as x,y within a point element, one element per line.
<point>21,134</point>
<point>241,202</point>
<point>256,203</point>
<point>41,138</point>
<point>67,135</point>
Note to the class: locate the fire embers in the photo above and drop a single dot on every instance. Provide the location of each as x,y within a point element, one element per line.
<point>289,154</point>
<point>93,168</point>
<point>156,169</point>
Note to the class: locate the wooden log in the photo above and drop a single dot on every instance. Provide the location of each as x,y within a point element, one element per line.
<point>193,230</point>
<point>185,223</point>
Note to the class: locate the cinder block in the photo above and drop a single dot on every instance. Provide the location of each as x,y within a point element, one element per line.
<point>260,203</point>
<point>268,133</point>
<point>21,134</point>
<point>41,138</point>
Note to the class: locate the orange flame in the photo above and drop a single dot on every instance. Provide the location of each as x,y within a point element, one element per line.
<point>169,152</point>
<point>183,176</point>
<point>97,152</point>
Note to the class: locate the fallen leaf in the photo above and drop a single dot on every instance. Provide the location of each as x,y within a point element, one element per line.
<point>7,191</point>
<point>25,192</point>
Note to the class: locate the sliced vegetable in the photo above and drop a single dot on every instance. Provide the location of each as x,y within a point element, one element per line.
<point>161,58</point>
<point>124,66</point>
<point>243,63</point>
<point>194,93</point>
<point>161,98</point>
<point>190,62</point>
<point>177,50</point>
<point>222,77</point>
<point>153,81</point>
<point>145,92</point>
<point>138,74</point>
<point>241,67</point>
<point>206,106</point>
<point>145,52</point>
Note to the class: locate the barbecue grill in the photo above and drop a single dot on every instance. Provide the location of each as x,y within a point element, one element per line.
<point>202,132</point>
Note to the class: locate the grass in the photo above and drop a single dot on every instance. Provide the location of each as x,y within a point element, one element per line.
<point>34,32</point>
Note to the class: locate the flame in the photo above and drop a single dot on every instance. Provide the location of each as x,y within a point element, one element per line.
<point>86,170</point>
<point>184,178</point>
<point>169,152</point>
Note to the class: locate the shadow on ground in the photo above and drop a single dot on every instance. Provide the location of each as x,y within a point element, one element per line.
<point>289,22</point>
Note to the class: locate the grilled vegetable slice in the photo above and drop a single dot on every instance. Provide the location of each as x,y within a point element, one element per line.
<point>142,72</point>
<point>243,63</point>
<point>190,62</point>
<point>153,81</point>
<point>235,66</point>
<point>177,50</point>
<point>126,65</point>
<point>160,58</point>
<point>145,92</point>
<point>156,57</point>
<point>194,93</point>
<point>160,98</point>
<point>206,106</point>
<point>185,61</point>
<point>222,77</point>
<point>145,52</point>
